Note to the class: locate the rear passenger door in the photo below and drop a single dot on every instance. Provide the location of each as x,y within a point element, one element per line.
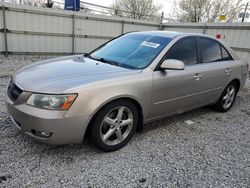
<point>215,67</point>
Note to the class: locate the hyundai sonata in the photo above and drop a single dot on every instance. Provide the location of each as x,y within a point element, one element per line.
<point>111,92</point>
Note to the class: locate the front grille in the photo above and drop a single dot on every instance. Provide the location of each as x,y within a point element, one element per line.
<point>13,91</point>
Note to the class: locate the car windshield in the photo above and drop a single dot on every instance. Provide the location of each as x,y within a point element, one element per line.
<point>134,51</point>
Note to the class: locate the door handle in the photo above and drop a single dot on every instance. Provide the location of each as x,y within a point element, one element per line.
<point>197,76</point>
<point>228,71</point>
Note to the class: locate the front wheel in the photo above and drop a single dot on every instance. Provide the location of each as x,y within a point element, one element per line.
<point>114,125</point>
<point>227,98</point>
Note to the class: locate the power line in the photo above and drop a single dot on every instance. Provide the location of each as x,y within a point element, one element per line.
<point>100,6</point>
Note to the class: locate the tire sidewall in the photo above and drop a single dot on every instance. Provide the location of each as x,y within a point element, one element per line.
<point>220,102</point>
<point>96,126</point>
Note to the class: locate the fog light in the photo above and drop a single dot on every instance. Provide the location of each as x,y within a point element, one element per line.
<point>42,134</point>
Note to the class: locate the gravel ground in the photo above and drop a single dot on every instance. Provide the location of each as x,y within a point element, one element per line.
<point>212,152</point>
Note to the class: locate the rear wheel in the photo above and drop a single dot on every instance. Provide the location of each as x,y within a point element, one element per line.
<point>114,125</point>
<point>227,98</point>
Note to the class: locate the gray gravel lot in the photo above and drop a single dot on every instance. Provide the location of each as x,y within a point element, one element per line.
<point>212,152</point>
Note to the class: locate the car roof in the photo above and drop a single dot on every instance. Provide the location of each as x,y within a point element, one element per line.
<point>168,34</point>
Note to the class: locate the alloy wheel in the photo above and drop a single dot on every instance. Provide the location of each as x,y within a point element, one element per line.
<point>116,125</point>
<point>229,97</point>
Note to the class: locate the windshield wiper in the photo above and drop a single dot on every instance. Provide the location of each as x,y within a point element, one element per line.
<point>86,54</point>
<point>103,60</point>
<point>108,61</point>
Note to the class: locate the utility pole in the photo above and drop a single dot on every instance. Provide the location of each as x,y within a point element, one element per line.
<point>243,17</point>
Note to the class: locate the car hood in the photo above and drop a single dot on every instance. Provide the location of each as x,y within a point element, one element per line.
<point>61,74</point>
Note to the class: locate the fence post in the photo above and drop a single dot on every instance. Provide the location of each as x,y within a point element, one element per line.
<point>204,29</point>
<point>73,33</point>
<point>162,17</point>
<point>5,32</point>
<point>122,30</point>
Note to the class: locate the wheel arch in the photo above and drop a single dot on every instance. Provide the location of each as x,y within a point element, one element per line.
<point>237,82</point>
<point>218,105</point>
<point>129,98</point>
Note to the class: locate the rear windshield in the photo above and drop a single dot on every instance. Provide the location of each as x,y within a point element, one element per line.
<point>135,51</point>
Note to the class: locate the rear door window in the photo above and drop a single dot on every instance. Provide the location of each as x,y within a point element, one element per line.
<point>210,50</point>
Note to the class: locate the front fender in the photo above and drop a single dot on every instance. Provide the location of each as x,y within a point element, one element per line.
<point>91,99</point>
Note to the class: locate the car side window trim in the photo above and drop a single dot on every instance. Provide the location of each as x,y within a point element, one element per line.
<point>157,68</point>
<point>198,51</point>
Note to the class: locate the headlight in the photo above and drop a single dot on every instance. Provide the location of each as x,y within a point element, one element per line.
<point>51,102</point>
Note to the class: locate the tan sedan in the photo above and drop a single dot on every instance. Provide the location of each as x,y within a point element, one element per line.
<point>111,92</point>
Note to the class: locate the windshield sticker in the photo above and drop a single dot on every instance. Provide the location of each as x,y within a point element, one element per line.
<point>150,44</point>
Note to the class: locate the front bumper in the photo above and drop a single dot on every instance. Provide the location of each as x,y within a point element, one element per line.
<point>64,130</point>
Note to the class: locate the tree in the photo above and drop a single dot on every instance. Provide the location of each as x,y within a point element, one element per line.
<point>38,3</point>
<point>206,10</point>
<point>137,9</point>
<point>49,3</point>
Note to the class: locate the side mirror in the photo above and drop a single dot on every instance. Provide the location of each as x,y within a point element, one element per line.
<point>173,64</point>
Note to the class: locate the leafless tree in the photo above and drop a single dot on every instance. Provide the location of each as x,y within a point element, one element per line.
<point>206,10</point>
<point>49,3</point>
<point>38,3</point>
<point>138,9</point>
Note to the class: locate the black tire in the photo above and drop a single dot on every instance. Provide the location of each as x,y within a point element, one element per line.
<point>97,125</point>
<point>219,106</point>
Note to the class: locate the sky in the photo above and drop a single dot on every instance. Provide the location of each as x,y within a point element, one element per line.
<point>165,4</point>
